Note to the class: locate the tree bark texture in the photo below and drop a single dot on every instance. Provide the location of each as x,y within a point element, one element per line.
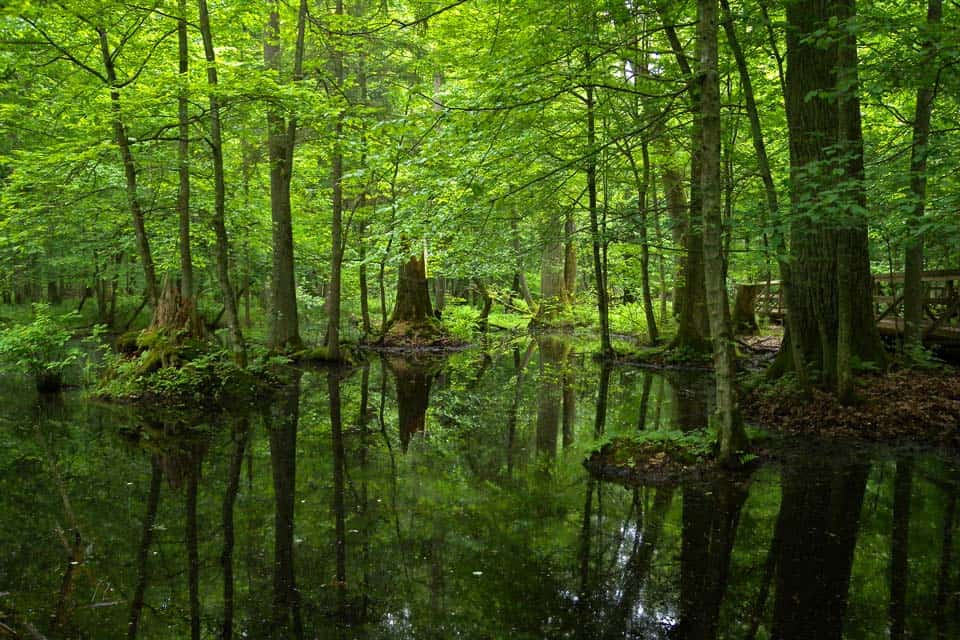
<point>828,285</point>
<point>222,244</point>
<point>284,331</point>
<point>913,260</point>
<point>729,429</point>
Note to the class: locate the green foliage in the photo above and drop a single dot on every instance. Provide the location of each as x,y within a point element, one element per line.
<point>461,321</point>
<point>195,374</point>
<point>41,348</point>
<point>679,447</point>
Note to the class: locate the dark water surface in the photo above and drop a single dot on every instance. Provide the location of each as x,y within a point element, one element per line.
<point>448,500</point>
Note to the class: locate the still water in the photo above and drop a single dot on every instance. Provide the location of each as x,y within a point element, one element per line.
<point>440,498</point>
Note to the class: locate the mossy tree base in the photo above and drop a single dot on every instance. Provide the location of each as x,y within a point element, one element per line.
<point>662,458</point>
<point>417,334</point>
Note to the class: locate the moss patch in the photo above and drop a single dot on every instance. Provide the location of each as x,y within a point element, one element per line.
<point>661,457</point>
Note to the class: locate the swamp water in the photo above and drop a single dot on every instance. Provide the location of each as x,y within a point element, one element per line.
<point>447,499</point>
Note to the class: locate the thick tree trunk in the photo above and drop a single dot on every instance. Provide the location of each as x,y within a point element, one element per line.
<point>552,289</point>
<point>284,330</point>
<point>412,311</point>
<point>569,258</point>
<point>413,397</point>
<point>913,260</point>
<point>222,245</point>
<point>693,330</point>
<point>283,421</point>
<point>828,233</point>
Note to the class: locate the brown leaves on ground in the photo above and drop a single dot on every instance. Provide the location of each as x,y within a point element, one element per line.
<point>904,405</point>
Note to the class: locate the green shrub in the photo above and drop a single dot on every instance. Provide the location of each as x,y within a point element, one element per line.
<point>460,321</point>
<point>40,348</point>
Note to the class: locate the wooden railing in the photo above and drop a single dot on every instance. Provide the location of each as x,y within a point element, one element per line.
<point>941,303</point>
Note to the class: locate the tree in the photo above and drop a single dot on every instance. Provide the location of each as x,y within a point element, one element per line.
<point>281,142</point>
<point>913,259</point>
<point>730,431</point>
<point>828,281</point>
<point>220,194</point>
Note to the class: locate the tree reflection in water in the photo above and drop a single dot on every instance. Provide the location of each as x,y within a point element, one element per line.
<point>457,505</point>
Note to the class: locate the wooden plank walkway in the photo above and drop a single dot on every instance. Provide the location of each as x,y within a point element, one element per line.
<point>941,304</point>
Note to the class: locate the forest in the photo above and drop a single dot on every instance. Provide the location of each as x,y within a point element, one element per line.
<point>624,246</point>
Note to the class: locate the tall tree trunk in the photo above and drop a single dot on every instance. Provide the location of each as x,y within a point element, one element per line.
<point>284,418</point>
<point>183,158</point>
<point>606,349</point>
<point>143,551</point>
<point>827,328</point>
<point>641,180</point>
<point>240,436</point>
<point>693,328</point>
<point>222,245</point>
<point>729,429</point>
<point>899,538</point>
<point>284,330</point>
<point>129,172</point>
<point>192,545</point>
<point>913,260</point>
<point>336,228</point>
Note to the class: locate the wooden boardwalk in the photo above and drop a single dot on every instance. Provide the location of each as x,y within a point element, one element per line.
<point>941,322</point>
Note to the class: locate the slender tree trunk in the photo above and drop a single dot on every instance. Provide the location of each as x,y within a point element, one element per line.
<point>913,260</point>
<point>642,182</point>
<point>240,437</point>
<point>336,229</point>
<point>520,276</point>
<point>222,245</point>
<point>569,259</point>
<point>183,158</point>
<point>606,349</point>
<point>130,173</point>
<point>192,544</point>
<point>339,512</point>
<point>899,564</point>
<point>284,331</point>
<point>143,551</point>
<point>729,429</point>
<point>364,284</point>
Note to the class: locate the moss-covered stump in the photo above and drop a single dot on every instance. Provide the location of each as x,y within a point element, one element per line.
<point>427,333</point>
<point>349,355</point>
<point>660,458</point>
<point>189,373</point>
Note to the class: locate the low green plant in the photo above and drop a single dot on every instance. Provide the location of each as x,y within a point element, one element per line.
<point>460,321</point>
<point>40,348</point>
